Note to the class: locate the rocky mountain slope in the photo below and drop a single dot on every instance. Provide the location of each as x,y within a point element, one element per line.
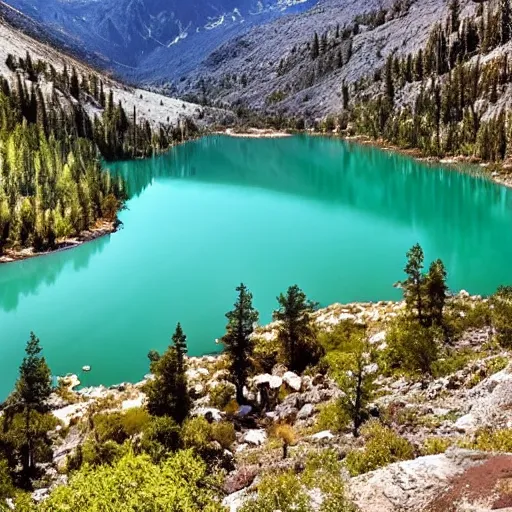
<point>16,39</point>
<point>271,67</point>
<point>154,39</point>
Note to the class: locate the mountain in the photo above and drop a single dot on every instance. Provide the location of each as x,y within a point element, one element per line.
<point>20,34</point>
<point>151,40</point>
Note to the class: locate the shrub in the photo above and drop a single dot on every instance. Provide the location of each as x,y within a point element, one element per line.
<point>267,353</point>
<point>135,420</point>
<point>135,484</point>
<point>382,447</point>
<point>221,394</point>
<point>332,416</point>
<point>489,440</point>
<point>282,492</point>
<point>161,436</point>
<point>6,486</point>
<point>196,433</point>
<point>224,433</point>
<point>94,453</point>
<point>412,347</point>
<point>435,445</point>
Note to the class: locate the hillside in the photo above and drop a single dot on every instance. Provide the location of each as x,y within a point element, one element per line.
<point>282,53</point>
<point>154,39</point>
<point>157,109</point>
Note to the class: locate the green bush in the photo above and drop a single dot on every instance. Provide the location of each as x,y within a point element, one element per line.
<point>196,433</point>
<point>382,447</point>
<point>283,492</point>
<point>489,440</point>
<point>6,486</point>
<point>135,484</point>
<point>161,436</point>
<point>224,433</point>
<point>435,445</point>
<point>411,346</point>
<point>332,416</point>
<point>118,426</point>
<point>221,395</point>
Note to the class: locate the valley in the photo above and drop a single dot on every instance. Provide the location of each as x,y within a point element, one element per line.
<point>263,307</point>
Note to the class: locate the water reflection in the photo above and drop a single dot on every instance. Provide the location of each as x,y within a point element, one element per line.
<point>24,278</point>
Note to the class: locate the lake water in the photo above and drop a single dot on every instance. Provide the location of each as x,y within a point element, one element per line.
<point>335,218</point>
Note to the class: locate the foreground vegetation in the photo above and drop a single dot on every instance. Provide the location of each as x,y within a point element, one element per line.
<point>161,456</point>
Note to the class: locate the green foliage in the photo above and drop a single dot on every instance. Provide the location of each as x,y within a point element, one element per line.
<point>435,445</point>
<point>224,433</point>
<point>282,492</point>
<point>135,484</point>
<point>296,332</point>
<point>412,347</point>
<point>161,436</point>
<point>502,316</point>
<point>221,395</point>
<point>332,416</point>
<point>120,426</point>
<point>352,370</point>
<point>167,393</point>
<point>6,485</point>
<point>489,440</point>
<point>237,341</point>
<point>382,447</point>
<point>24,423</point>
<point>275,97</point>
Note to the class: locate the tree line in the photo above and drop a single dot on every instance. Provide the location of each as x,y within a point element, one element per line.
<point>53,185</point>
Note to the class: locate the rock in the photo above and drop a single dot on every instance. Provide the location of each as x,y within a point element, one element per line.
<point>279,370</point>
<point>255,437</point>
<point>70,381</point>
<point>273,381</point>
<point>306,411</point>
<point>208,412</point>
<point>325,435</point>
<point>40,494</point>
<point>313,397</point>
<point>235,501</point>
<point>134,403</point>
<point>412,484</point>
<point>66,414</point>
<point>86,368</point>
<point>318,379</point>
<point>463,294</point>
<point>287,412</point>
<point>292,380</point>
<point>378,338</point>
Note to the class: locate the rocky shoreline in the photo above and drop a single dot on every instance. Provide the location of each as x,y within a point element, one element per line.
<point>448,411</point>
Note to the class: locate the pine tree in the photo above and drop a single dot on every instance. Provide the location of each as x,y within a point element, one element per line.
<point>32,390</point>
<point>454,15</point>
<point>237,340</point>
<point>436,290</point>
<point>504,21</point>
<point>315,49</point>
<point>167,393</point>
<point>414,285</point>
<point>390,88</point>
<point>296,332</point>
<point>74,86</point>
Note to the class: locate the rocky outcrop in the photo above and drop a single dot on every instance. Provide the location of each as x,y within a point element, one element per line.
<point>413,484</point>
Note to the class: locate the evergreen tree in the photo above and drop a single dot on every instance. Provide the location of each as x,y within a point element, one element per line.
<point>32,390</point>
<point>454,15</point>
<point>74,86</point>
<point>390,88</point>
<point>414,285</point>
<point>296,332</point>
<point>436,289</point>
<point>167,393</point>
<point>237,340</point>
<point>315,49</point>
<point>504,21</point>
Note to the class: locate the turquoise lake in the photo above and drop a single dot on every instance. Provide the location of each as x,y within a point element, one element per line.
<point>333,217</point>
